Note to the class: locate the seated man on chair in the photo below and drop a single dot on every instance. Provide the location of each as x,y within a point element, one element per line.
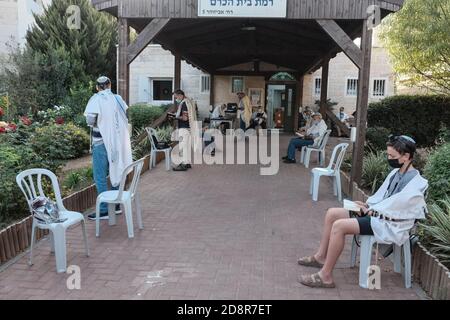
<point>388,215</point>
<point>307,137</point>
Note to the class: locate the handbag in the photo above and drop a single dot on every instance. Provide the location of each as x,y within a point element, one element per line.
<point>45,211</point>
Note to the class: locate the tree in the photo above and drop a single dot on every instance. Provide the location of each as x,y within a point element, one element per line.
<point>93,45</point>
<point>418,40</point>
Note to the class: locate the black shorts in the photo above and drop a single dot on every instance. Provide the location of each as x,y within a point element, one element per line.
<point>365,229</point>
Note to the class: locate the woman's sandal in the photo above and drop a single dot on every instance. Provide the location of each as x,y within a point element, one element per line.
<point>315,281</point>
<point>309,261</point>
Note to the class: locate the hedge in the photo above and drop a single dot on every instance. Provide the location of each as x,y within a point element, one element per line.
<point>420,117</point>
<point>142,115</point>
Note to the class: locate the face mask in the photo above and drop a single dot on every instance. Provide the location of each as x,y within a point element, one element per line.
<point>178,100</point>
<point>394,163</point>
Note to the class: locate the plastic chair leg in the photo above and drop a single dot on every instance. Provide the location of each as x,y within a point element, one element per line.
<point>97,219</point>
<point>397,259</point>
<point>354,253</point>
<point>322,157</point>
<point>52,242</point>
<point>59,234</point>
<point>407,267</point>
<point>86,243</point>
<point>137,202</point>
<point>33,239</point>
<point>365,258</point>
<point>307,157</point>
<point>167,159</point>
<point>316,187</point>
<point>302,155</point>
<point>338,186</point>
<point>112,214</point>
<point>311,185</point>
<point>334,185</point>
<point>129,218</point>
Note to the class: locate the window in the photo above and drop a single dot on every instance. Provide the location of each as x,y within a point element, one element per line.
<point>205,84</point>
<point>317,86</point>
<point>162,90</point>
<point>379,88</point>
<point>237,84</point>
<point>352,87</point>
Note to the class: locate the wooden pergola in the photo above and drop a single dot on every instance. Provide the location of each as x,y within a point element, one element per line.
<point>311,33</point>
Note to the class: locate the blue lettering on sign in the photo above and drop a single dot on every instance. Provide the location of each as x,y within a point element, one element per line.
<point>240,3</point>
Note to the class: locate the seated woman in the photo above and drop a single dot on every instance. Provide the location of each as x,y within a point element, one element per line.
<point>388,215</point>
<point>309,137</point>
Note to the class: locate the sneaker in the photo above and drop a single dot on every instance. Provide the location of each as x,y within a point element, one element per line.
<point>118,209</point>
<point>285,158</point>
<point>103,216</point>
<point>180,167</point>
<point>289,161</point>
<point>188,166</point>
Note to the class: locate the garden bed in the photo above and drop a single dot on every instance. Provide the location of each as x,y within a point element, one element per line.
<point>16,238</point>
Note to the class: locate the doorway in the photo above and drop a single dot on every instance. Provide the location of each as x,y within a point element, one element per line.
<point>281,107</point>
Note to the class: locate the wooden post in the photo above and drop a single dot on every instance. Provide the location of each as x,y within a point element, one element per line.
<point>123,81</point>
<point>299,98</point>
<point>211,90</point>
<point>324,87</point>
<point>362,102</point>
<point>177,76</point>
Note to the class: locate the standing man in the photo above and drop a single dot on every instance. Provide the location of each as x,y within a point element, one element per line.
<point>245,111</point>
<point>187,122</point>
<point>111,145</point>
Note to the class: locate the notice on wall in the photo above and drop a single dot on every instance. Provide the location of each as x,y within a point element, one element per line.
<point>242,8</point>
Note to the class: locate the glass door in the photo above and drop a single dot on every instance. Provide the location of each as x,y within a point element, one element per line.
<point>288,103</point>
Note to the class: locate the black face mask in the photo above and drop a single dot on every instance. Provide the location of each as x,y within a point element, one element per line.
<point>394,163</point>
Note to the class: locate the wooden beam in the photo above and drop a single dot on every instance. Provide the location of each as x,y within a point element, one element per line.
<point>362,102</point>
<point>341,38</point>
<point>123,81</point>
<point>324,87</point>
<point>145,37</point>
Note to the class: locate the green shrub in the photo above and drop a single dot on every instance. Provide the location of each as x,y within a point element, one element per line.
<point>140,149</point>
<point>143,115</point>
<point>63,142</point>
<point>437,171</point>
<point>375,170</point>
<point>77,179</point>
<point>164,134</point>
<point>377,137</point>
<point>420,117</point>
<point>435,232</point>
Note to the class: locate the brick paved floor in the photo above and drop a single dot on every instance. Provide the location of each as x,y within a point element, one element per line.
<point>214,232</point>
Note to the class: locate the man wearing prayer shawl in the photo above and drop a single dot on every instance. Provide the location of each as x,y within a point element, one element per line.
<point>245,111</point>
<point>388,215</point>
<point>187,128</point>
<point>111,145</point>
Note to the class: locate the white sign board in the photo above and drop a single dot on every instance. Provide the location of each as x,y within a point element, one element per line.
<point>242,8</point>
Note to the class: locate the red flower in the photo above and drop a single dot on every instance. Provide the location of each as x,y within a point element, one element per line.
<point>12,127</point>
<point>59,120</point>
<point>1,112</point>
<point>2,130</point>
<point>26,121</point>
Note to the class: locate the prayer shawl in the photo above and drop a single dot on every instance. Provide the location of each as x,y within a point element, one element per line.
<point>407,205</point>
<point>246,115</point>
<point>113,125</point>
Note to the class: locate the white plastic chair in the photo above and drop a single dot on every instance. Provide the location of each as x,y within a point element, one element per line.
<point>31,180</point>
<point>124,197</point>
<point>154,150</point>
<point>367,243</point>
<point>320,148</point>
<point>333,170</point>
